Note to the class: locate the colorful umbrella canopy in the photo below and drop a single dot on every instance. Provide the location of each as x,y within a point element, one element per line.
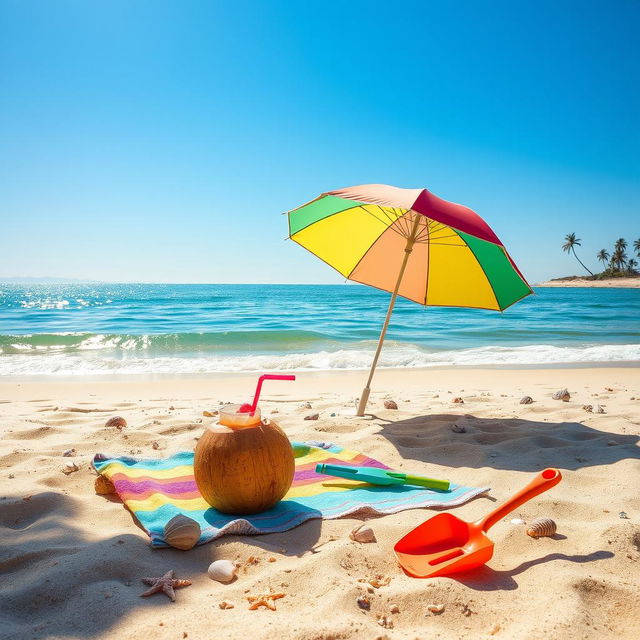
<point>456,261</point>
<point>412,243</point>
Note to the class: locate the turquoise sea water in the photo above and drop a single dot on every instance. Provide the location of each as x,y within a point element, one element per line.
<point>84,329</point>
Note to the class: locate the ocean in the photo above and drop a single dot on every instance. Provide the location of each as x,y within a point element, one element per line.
<point>127,329</point>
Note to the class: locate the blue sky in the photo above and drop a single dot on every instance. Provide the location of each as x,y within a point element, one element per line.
<point>160,141</point>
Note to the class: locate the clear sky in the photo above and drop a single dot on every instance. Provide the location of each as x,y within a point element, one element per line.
<point>160,141</point>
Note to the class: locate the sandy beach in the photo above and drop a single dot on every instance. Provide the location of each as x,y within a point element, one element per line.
<point>73,561</point>
<point>613,283</point>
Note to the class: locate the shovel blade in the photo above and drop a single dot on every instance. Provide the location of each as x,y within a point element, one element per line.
<point>441,546</point>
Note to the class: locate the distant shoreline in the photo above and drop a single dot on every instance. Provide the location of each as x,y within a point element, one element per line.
<point>612,283</point>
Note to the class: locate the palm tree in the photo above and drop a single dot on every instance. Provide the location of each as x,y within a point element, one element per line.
<point>619,257</point>
<point>621,243</point>
<point>636,246</point>
<point>569,246</point>
<point>631,265</point>
<point>603,256</point>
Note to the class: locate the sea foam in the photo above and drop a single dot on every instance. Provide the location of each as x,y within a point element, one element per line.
<point>57,364</point>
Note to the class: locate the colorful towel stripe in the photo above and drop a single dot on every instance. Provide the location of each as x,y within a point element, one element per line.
<point>157,490</point>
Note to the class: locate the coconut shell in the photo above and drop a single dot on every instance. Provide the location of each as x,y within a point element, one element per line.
<point>246,470</point>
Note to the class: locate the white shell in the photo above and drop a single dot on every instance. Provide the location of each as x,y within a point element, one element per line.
<point>517,521</point>
<point>70,467</point>
<point>363,533</point>
<point>222,570</point>
<point>182,532</point>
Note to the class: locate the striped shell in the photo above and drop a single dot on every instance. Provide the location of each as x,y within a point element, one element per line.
<point>117,421</point>
<point>182,532</point>
<point>541,527</point>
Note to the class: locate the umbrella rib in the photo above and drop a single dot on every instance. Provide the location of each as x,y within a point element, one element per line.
<point>373,215</point>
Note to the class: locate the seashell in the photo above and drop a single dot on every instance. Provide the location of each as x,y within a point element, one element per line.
<point>435,608</point>
<point>563,395</point>
<point>182,532</point>
<point>390,404</point>
<point>306,405</point>
<point>526,400</point>
<point>623,515</point>
<point>210,414</point>
<point>517,521</point>
<point>598,409</point>
<point>225,604</point>
<point>69,468</point>
<point>458,400</point>
<point>541,527</point>
<point>364,602</point>
<point>363,533</point>
<point>394,608</point>
<point>69,453</point>
<point>223,570</point>
<point>588,408</point>
<point>312,416</point>
<point>459,428</point>
<point>117,421</point>
<point>103,486</point>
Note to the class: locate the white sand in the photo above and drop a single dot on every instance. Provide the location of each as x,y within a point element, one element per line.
<point>614,283</point>
<point>72,560</point>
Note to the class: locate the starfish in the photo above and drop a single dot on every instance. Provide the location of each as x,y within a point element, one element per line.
<point>166,583</point>
<point>264,600</point>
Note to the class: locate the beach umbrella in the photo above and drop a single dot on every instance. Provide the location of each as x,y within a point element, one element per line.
<point>411,243</point>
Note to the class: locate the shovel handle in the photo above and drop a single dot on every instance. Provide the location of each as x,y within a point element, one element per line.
<point>543,481</point>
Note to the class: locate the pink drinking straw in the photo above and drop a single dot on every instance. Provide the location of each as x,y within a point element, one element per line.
<point>251,408</point>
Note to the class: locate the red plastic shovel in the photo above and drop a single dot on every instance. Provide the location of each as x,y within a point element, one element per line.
<point>446,544</point>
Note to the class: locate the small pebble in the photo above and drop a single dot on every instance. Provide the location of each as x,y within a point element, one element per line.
<point>333,415</point>
<point>390,404</point>
<point>612,443</point>
<point>598,409</point>
<point>588,408</point>
<point>385,622</point>
<point>364,603</point>
<point>312,416</point>
<point>517,521</point>
<point>526,400</point>
<point>458,400</point>
<point>459,428</point>
<point>155,445</point>
<point>11,476</point>
<point>69,453</point>
<point>394,608</point>
<point>436,609</point>
<point>226,605</point>
<point>306,405</point>
<point>623,515</point>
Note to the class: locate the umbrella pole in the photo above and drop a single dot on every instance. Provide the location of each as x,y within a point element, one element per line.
<point>411,240</point>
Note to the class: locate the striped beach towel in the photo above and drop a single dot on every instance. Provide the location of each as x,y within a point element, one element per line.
<point>157,490</point>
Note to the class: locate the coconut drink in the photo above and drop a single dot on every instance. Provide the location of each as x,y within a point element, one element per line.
<point>244,464</point>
